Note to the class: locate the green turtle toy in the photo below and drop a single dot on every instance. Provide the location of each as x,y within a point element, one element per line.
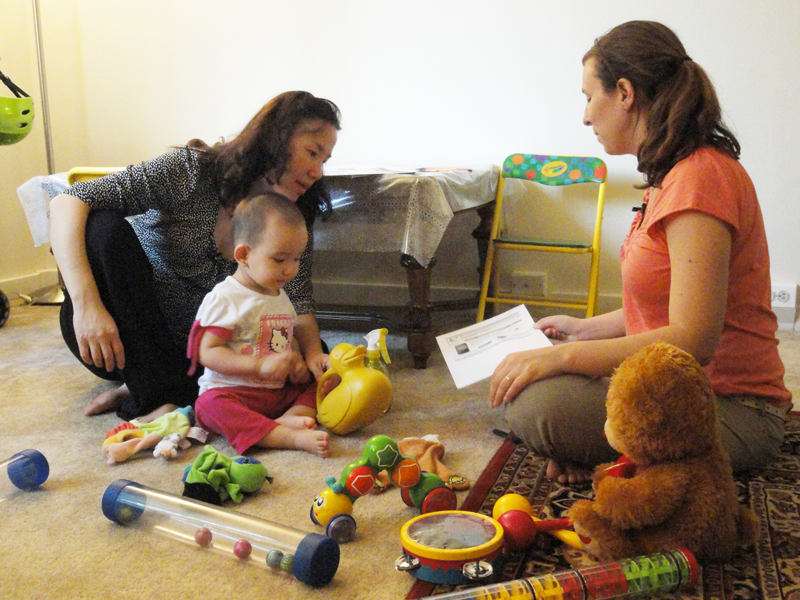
<point>215,478</point>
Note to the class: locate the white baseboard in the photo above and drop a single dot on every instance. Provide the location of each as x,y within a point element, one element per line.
<point>786,317</point>
<point>325,292</point>
<point>382,294</point>
<point>27,284</point>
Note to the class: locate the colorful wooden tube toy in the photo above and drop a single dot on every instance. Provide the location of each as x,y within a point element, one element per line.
<point>333,507</point>
<point>627,578</point>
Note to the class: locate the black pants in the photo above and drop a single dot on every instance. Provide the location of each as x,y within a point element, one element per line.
<point>155,364</point>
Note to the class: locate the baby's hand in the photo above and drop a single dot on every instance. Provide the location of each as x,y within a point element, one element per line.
<point>330,383</point>
<point>300,373</point>
<point>318,364</point>
<point>277,366</point>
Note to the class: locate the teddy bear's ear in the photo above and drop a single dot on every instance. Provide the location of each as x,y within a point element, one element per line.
<point>661,405</point>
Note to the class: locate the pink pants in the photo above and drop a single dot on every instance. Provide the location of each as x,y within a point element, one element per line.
<point>244,415</point>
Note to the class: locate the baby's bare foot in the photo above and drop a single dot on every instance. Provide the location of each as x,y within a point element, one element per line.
<point>297,422</point>
<point>313,441</point>
<point>107,401</point>
<point>567,473</point>
<point>309,440</point>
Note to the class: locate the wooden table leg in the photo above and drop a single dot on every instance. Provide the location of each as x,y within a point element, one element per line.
<point>420,338</point>
<point>482,233</point>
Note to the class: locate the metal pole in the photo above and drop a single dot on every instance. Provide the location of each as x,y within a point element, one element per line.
<point>48,140</point>
<point>51,294</point>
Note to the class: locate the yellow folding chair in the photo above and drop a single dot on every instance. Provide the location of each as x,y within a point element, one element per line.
<point>547,170</point>
<point>87,173</point>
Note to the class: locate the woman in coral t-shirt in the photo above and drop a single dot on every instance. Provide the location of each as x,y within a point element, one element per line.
<point>695,268</point>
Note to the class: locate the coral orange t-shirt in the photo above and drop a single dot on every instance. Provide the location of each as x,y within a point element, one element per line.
<point>746,360</point>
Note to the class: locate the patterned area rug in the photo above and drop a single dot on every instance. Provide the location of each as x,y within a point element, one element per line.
<point>769,571</point>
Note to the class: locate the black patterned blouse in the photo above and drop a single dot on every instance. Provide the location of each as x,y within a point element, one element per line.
<point>173,204</point>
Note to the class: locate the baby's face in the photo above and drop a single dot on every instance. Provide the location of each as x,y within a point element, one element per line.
<point>275,260</point>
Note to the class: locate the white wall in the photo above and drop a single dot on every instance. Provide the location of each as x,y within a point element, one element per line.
<point>24,268</point>
<point>19,260</point>
<point>423,82</point>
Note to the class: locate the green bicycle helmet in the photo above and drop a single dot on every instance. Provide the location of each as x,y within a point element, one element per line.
<point>16,114</point>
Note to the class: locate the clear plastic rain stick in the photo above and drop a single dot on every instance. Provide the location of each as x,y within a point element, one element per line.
<point>311,557</point>
<point>626,578</point>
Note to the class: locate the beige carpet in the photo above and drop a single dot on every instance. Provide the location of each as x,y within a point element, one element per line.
<point>56,543</point>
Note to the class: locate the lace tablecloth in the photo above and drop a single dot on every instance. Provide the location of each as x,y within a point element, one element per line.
<point>35,195</point>
<point>406,213</point>
<point>396,212</point>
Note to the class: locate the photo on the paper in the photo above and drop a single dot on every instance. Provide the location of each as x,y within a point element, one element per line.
<point>482,336</point>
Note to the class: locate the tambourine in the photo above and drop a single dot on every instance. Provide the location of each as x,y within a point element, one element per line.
<point>451,547</point>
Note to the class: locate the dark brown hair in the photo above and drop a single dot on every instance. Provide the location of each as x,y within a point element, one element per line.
<point>252,217</point>
<point>683,111</point>
<point>262,149</point>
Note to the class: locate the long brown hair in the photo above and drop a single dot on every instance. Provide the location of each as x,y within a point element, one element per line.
<point>684,112</point>
<point>262,149</point>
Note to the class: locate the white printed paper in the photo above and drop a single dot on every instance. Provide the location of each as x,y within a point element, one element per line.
<point>473,353</point>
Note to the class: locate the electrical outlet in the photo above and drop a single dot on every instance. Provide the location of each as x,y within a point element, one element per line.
<point>784,296</point>
<point>528,284</point>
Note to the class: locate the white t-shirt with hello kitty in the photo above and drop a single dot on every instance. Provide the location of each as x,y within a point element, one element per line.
<point>256,323</point>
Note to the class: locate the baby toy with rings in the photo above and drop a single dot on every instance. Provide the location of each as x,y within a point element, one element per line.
<point>333,507</point>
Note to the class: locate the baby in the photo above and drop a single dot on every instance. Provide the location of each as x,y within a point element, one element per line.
<point>256,389</point>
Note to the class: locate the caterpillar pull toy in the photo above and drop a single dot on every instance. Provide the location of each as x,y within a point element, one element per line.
<point>333,507</point>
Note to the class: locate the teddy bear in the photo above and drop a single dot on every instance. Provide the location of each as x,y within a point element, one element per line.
<point>673,487</point>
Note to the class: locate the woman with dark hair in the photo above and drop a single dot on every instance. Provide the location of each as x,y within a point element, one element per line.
<point>139,249</point>
<point>695,268</point>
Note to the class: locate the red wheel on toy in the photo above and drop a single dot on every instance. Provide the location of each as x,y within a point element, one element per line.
<point>439,499</point>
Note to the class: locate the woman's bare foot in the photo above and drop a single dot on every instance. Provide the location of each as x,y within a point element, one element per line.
<point>309,440</point>
<point>160,411</point>
<point>297,422</point>
<point>107,401</point>
<point>567,473</point>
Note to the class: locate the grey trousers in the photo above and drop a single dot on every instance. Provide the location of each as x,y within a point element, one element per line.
<point>563,418</point>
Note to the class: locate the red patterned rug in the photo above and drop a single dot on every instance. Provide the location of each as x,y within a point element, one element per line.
<point>769,571</point>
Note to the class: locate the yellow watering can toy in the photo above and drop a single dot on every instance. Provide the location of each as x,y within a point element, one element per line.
<point>363,395</point>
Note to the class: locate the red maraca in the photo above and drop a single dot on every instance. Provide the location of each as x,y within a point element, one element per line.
<point>520,527</point>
